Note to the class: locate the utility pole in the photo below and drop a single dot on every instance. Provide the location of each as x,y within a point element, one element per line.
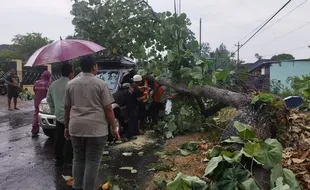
<point>200,43</point>
<point>238,50</point>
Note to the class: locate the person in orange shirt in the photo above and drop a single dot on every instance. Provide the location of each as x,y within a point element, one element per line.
<point>158,104</point>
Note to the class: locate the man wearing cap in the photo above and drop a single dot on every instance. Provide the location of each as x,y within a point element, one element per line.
<point>133,98</point>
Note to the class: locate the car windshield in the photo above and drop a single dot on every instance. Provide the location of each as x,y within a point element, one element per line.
<point>110,77</point>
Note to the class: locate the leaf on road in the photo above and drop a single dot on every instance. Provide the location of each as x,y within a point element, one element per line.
<point>67,178</point>
<point>140,153</point>
<point>105,153</point>
<point>126,168</point>
<point>127,153</point>
<point>183,152</point>
<point>133,171</point>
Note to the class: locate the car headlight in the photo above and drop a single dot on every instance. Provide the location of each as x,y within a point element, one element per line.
<point>44,108</point>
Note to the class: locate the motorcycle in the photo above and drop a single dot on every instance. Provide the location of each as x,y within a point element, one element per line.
<point>3,88</point>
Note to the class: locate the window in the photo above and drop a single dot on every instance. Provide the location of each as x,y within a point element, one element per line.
<point>110,77</point>
<point>263,71</point>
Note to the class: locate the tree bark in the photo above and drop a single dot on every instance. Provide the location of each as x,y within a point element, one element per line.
<point>227,97</point>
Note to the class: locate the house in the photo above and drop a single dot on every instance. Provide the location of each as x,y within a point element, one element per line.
<point>282,70</point>
<point>263,67</point>
<point>278,70</point>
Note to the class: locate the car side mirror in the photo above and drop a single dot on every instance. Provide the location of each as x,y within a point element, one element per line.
<point>126,85</point>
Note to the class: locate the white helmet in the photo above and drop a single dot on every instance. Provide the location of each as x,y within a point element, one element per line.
<point>137,78</point>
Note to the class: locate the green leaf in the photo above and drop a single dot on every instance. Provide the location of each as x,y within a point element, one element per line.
<point>290,179</point>
<point>197,73</point>
<point>270,153</point>
<point>183,152</point>
<point>233,140</point>
<point>245,131</point>
<point>280,185</point>
<point>252,149</point>
<point>171,126</point>
<point>213,164</point>
<point>250,184</point>
<point>183,182</point>
<point>222,75</point>
<point>191,84</point>
<point>170,57</point>
<point>213,152</point>
<point>276,172</point>
<point>190,146</point>
<point>231,157</point>
<point>185,72</point>
<point>231,177</point>
<point>169,135</point>
<point>255,99</point>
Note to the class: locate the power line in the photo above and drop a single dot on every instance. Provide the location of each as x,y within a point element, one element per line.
<point>284,16</point>
<point>264,24</point>
<point>290,32</point>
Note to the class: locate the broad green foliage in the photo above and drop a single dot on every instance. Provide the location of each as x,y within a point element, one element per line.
<point>302,87</point>
<point>227,172</point>
<point>26,45</point>
<point>164,46</point>
<point>262,99</point>
<point>183,182</point>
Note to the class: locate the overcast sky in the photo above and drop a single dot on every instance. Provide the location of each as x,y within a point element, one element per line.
<point>224,21</point>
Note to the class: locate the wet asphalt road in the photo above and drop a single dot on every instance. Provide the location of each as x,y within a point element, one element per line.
<point>28,164</point>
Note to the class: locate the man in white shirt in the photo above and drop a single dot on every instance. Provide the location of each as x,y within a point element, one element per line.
<point>88,114</point>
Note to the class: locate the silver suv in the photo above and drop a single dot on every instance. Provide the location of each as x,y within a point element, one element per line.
<point>117,73</point>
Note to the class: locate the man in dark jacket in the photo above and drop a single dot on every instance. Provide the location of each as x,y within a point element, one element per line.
<point>13,89</point>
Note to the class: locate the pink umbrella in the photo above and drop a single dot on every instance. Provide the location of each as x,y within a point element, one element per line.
<point>62,50</point>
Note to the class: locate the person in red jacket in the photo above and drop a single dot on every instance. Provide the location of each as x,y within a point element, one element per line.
<point>158,103</point>
<point>40,89</point>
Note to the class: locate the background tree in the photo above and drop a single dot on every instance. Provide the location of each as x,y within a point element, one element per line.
<point>26,45</point>
<point>282,57</point>
<point>222,58</point>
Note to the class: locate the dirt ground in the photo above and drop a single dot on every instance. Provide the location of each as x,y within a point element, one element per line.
<point>191,164</point>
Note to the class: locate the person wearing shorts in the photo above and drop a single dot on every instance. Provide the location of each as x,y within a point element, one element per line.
<point>13,89</point>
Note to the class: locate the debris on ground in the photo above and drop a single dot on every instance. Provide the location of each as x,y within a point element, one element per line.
<point>172,161</point>
<point>296,141</point>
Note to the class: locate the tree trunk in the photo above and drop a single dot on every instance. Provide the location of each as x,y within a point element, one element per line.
<point>263,120</point>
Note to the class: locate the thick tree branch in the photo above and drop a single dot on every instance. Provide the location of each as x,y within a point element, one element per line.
<point>212,110</point>
<point>227,97</point>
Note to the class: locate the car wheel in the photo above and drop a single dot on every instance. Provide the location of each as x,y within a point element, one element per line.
<point>49,132</point>
<point>118,126</point>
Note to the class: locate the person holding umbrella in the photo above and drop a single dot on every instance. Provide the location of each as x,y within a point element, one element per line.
<point>88,114</point>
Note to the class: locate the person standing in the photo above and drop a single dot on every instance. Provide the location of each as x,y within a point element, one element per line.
<point>143,88</point>
<point>13,88</point>
<point>62,148</point>
<point>88,112</point>
<point>40,89</point>
<point>133,97</point>
<point>158,104</point>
